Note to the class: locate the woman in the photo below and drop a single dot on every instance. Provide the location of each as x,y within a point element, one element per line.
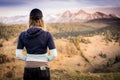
<point>36,40</point>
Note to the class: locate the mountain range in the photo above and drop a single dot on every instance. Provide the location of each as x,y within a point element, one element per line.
<point>14,19</point>
<point>80,16</point>
<point>67,16</point>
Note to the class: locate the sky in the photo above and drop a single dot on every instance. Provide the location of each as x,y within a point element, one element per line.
<point>23,7</point>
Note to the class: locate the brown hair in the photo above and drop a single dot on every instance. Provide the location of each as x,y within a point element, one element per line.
<point>36,23</point>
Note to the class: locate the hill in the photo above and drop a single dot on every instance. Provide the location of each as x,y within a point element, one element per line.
<point>86,50</point>
<point>98,26</point>
<point>8,31</point>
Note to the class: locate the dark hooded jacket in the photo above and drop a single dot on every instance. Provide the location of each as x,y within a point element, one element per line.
<point>36,41</point>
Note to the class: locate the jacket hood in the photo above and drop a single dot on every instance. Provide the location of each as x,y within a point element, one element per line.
<point>33,32</point>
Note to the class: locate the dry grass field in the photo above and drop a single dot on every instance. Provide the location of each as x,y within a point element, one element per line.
<point>93,56</point>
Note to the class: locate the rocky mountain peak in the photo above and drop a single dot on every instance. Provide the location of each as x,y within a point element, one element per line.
<point>67,14</point>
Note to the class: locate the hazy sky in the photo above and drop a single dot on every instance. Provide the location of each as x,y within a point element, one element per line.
<point>23,7</point>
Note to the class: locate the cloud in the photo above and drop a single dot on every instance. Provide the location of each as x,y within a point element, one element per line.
<point>17,7</point>
<point>8,3</point>
<point>100,3</point>
<point>59,3</point>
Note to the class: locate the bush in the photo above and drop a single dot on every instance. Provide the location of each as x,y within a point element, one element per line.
<point>101,54</point>
<point>112,35</point>
<point>117,59</point>
<point>4,58</point>
<point>86,41</point>
<point>75,41</point>
<point>1,45</point>
<point>9,31</point>
<point>71,49</point>
<point>78,39</point>
<point>110,62</point>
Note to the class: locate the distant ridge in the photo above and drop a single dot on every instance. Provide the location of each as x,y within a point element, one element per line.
<point>81,15</point>
<point>67,16</point>
<point>14,20</point>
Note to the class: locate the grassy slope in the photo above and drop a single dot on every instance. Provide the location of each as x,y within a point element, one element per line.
<point>61,73</point>
<point>77,28</point>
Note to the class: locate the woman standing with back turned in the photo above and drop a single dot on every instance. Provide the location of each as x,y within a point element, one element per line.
<point>36,41</point>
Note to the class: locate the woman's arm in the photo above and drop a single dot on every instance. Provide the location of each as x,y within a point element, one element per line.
<point>19,49</point>
<point>51,46</point>
<point>53,54</point>
<point>19,54</point>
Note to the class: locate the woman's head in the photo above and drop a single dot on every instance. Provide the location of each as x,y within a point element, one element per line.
<point>36,18</point>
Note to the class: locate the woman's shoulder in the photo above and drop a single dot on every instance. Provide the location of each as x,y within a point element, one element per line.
<point>48,33</point>
<point>22,34</point>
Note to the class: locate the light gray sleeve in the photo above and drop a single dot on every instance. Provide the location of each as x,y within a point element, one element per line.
<point>53,54</point>
<point>19,54</point>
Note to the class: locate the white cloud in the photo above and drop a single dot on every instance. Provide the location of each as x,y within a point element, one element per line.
<point>48,6</point>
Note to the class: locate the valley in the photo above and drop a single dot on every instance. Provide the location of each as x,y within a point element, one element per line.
<point>86,50</point>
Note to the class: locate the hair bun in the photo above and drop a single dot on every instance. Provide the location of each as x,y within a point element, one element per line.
<point>36,14</point>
